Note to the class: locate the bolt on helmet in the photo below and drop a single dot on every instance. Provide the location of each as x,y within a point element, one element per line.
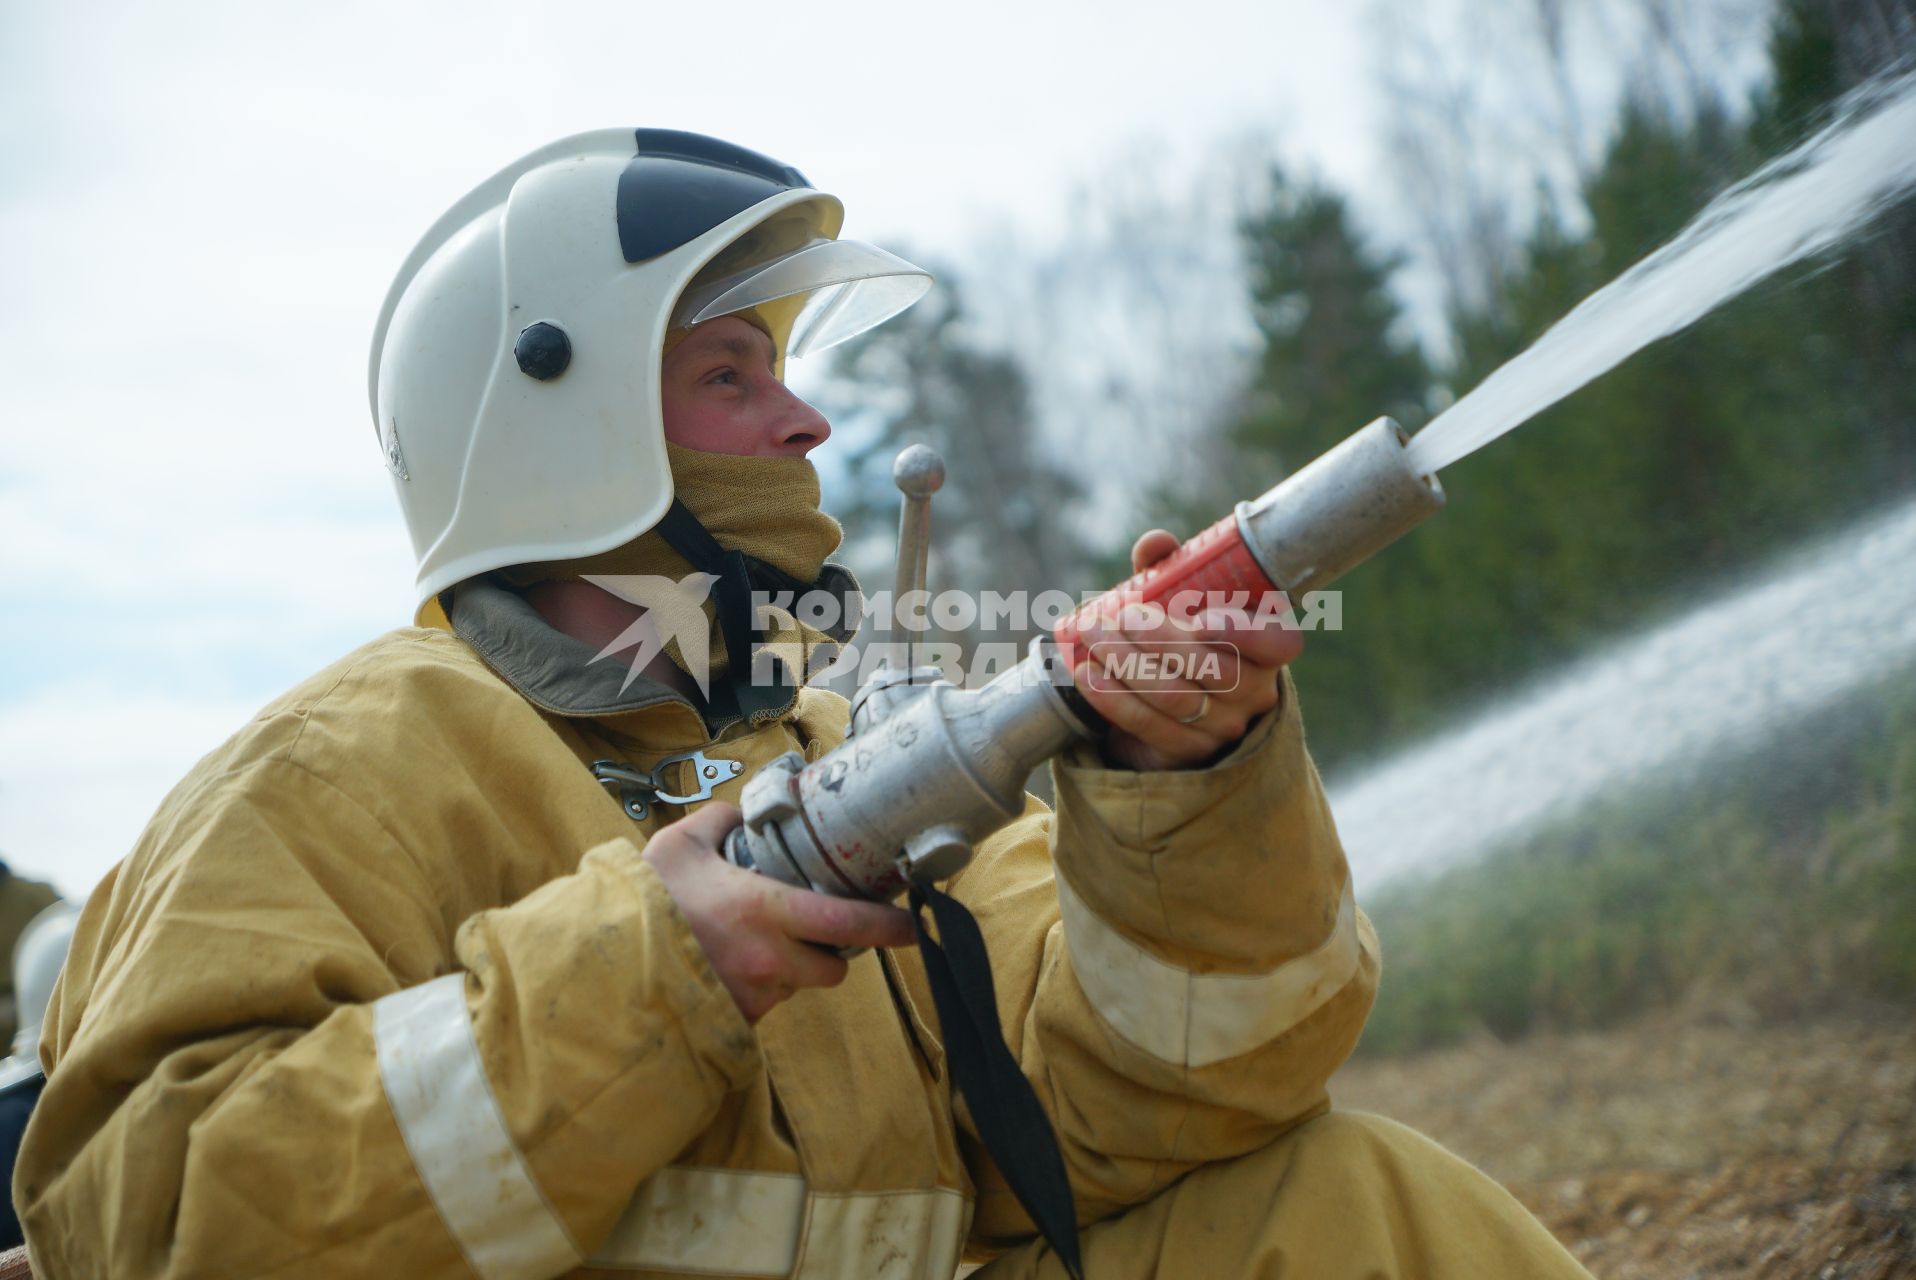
<point>515,365</point>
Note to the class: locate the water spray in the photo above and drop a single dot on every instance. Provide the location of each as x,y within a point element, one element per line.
<point>927,769</point>
<point>1800,204</point>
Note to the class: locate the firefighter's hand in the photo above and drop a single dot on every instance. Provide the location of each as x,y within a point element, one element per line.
<point>1181,714</point>
<point>758,934</point>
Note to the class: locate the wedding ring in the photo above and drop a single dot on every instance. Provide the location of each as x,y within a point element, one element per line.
<point>1204,704</point>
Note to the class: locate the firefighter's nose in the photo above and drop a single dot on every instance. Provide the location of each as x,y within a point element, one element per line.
<point>801,428</point>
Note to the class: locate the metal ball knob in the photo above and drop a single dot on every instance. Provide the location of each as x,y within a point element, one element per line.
<point>918,471</point>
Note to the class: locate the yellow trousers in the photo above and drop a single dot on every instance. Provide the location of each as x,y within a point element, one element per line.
<point>1345,1195</point>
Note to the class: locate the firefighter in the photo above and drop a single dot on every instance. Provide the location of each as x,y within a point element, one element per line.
<point>21,901</point>
<point>34,935</point>
<point>409,977</point>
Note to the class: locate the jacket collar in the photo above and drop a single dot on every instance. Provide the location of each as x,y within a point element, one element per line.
<point>559,674</point>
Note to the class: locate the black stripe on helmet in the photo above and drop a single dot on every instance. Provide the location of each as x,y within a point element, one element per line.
<point>680,185</point>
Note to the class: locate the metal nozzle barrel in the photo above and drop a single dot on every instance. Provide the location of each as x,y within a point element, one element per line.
<point>1340,510</point>
<point>931,769</point>
<point>1326,519</point>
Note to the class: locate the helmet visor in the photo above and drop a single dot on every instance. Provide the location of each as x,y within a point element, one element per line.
<point>853,286</point>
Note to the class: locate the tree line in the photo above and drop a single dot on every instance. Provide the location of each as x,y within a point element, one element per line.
<point>1785,412</point>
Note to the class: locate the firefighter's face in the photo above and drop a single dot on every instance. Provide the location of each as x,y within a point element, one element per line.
<point>720,395</point>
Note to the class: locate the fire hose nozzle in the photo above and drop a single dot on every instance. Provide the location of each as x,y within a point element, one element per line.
<point>1339,510</point>
<point>1325,519</point>
<point>929,770</point>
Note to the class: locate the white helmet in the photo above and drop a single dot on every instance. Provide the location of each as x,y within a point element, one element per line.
<point>37,957</point>
<point>515,365</point>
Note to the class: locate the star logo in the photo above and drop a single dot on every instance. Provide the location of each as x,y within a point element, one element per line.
<point>674,613</point>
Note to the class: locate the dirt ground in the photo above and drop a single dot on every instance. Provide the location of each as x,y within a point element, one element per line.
<point>1700,1143</point>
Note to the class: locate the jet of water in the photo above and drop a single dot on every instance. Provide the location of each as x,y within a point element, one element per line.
<point>1651,712</point>
<point>1797,205</point>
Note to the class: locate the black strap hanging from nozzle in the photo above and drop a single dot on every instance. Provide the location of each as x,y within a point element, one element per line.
<point>1011,1122</point>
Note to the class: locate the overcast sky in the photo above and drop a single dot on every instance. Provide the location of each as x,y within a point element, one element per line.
<point>202,205</point>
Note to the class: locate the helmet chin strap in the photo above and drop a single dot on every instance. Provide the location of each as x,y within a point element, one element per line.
<point>736,694</point>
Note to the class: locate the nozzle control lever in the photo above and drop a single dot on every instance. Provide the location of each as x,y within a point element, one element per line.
<point>918,472</point>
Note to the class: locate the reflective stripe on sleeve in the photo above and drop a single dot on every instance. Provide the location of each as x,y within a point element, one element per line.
<point>1196,1019</point>
<point>711,1220</point>
<point>893,1236</point>
<point>439,1094</point>
<point>739,1223</point>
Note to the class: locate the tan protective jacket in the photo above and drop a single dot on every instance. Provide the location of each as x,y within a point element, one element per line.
<point>386,989</point>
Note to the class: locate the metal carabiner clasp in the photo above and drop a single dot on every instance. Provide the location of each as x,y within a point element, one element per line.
<point>631,788</point>
<point>638,789</point>
<point>708,772</point>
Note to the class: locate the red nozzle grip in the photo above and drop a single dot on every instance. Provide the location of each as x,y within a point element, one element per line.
<point>1216,561</point>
